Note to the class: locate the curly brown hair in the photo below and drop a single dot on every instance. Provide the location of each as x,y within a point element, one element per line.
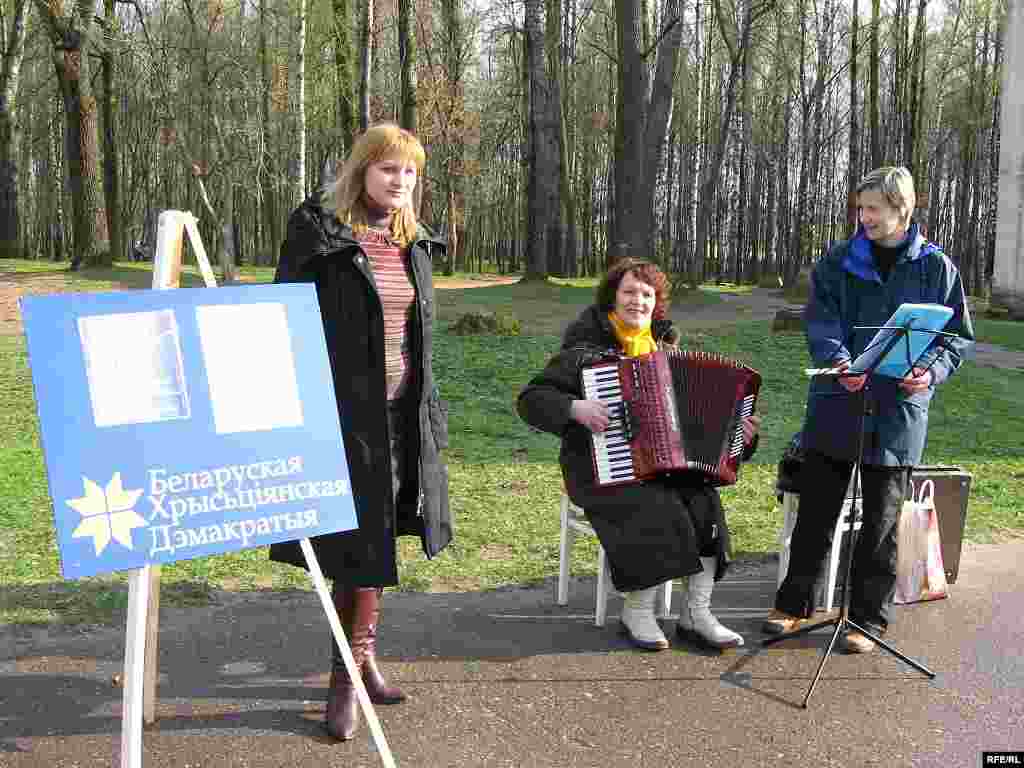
<point>644,271</point>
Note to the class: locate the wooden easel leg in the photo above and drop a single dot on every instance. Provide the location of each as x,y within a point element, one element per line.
<point>320,585</point>
<point>134,663</point>
<point>152,664</point>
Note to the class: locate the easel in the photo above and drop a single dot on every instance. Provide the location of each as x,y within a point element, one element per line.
<point>843,621</point>
<point>142,624</point>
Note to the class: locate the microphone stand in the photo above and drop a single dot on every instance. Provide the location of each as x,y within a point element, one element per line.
<point>843,621</point>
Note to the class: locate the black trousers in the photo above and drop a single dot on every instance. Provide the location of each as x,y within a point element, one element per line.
<point>823,484</point>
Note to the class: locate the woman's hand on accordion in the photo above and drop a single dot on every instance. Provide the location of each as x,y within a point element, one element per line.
<point>751,426</point>
<point>592,414</point>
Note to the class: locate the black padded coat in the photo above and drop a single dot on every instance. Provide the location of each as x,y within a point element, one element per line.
<point>652,531</point>
<point>321,250</point>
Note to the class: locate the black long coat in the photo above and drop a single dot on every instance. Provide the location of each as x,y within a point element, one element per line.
<point>652,531</point>
<point>321,250</point>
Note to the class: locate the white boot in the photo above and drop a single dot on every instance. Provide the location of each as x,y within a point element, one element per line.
<point>638,620</point>
<point>696,619</point>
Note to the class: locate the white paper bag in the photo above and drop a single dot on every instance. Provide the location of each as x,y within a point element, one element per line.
<point>920,574</point>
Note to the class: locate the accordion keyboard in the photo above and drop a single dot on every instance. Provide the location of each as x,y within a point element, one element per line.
<point>746,409</point>
<point>612,453</point>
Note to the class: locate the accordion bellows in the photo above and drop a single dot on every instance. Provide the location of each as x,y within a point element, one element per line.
<point>671,411</point>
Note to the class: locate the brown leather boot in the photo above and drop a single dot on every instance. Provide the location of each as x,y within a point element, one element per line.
<point>342,705</point>
<point>367,612</point>
<point>359,609</point>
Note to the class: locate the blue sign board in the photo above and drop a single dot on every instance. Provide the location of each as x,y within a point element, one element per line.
<point>184,423</point>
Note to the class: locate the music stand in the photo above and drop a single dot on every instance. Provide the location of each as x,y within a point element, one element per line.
<point>842,621</point>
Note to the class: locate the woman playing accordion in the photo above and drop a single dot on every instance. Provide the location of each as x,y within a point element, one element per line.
<point>652,531</point>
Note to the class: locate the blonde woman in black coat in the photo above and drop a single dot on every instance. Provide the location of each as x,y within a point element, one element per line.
<point>653,531</point>
<point>359,242</point>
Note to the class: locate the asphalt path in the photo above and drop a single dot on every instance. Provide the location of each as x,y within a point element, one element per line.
<point>507,678</point>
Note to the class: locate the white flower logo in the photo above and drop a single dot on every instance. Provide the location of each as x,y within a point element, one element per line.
<point>107,513</point>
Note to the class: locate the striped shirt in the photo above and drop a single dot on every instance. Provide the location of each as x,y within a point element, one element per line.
<point>397,297</point>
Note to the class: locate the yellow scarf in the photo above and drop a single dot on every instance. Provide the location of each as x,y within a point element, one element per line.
<point>634,341</point>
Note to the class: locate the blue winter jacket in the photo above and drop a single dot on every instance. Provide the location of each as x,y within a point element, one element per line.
<point>847,291</point>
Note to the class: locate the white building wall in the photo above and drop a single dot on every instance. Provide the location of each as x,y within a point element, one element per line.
<point>1008,277</point>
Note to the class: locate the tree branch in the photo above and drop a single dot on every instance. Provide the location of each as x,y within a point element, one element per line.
<point>664,33</point>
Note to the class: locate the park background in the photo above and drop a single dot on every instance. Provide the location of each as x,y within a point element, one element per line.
<point>721,137</point>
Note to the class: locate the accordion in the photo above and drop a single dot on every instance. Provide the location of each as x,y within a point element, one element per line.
<point>670,411</point>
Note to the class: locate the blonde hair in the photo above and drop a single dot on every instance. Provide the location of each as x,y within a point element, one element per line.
<point>346,195</point>
<point>896,185</point>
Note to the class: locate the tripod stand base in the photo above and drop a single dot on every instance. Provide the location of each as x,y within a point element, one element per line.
<point>842,623</point>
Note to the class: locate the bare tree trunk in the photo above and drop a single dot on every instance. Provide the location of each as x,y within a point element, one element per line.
<point>743,172</point>
<point>854,173</point>
<point>794,254</point>
<point>659,116</point>
<point>976,244</point>
<point>366,64</point>
<point>892,130</point>
<point>111,173</point>
<point>407,62</point>
<point>453,125</point>
<point>561,199</point>
<point>993,164</point>
<point>823,73</point>
<point>963,253</point>
<point>567,182</point>
<point>271,219</point>
<point>876,138</point>
<point>72,40</point>
<point>299,193</point>
<point>915,96</point>
<point>344,73</point>
<point>754,217</point>
<point>629,237</point>
<point>607,195</point>
<point>538,141</point>
<point>687,257</point>
<point>57,235</point>
<point>713,169</point>
<point>668,216</point>
<point>229,252</point>
<point>771,263</point>
<point>10,133</point>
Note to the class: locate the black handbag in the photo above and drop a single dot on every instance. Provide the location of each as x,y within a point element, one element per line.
<point>787,478</point>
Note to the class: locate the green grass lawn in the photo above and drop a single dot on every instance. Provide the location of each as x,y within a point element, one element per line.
<point>120,276</point>
<point>505,482</point>
<point>1005,333</point>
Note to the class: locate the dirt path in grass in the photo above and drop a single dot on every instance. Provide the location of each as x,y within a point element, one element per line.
<point>760,304</point>
<point>764,303</point>
<point>14,285</point>
<point>450,283</point>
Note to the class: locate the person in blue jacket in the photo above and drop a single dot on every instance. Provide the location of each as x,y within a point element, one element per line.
<point>861,282</point>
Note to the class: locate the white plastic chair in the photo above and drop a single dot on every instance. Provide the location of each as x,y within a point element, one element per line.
<point>790,508</point>
<point>573,524</point>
